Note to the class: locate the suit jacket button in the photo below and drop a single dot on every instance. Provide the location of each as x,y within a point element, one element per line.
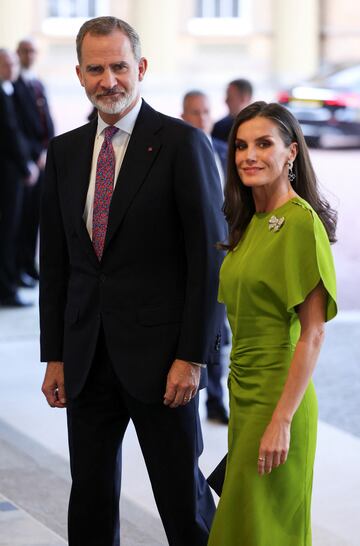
<point>102,278</point>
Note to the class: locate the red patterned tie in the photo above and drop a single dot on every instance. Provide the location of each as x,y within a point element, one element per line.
<point>105,171</point>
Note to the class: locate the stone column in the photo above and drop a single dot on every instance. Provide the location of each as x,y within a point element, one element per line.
<point>296,27</point>
<point>16,21</point>
<point>156,23</point>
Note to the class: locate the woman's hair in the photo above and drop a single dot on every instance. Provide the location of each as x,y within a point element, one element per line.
<point>239,205</point>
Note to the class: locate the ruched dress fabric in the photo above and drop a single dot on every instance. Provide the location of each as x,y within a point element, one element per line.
<point>262,282</point>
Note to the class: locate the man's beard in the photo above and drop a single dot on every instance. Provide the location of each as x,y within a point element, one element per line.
<point>115,106</point>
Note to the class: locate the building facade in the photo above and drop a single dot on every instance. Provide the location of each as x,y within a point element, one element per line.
<point>191,44</point>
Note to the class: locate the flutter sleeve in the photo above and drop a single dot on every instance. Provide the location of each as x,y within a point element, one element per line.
<point>309,261</point>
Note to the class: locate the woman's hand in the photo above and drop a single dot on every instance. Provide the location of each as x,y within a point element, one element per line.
<point>274,446</point>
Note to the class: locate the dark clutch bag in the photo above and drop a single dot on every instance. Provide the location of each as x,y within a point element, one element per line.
<point>217,476</point>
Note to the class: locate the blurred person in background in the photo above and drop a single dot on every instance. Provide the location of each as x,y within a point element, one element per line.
<point>238,95</point>
<point>17,170</point>
<point>196,111</point>
<point>32,106</point>
<point>278,284</point>
<point>128,283</point>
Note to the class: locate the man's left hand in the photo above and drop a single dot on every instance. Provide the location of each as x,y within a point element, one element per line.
<point>182,383</point>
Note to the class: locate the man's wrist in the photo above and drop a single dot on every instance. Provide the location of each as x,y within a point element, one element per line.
<point>199,364</point>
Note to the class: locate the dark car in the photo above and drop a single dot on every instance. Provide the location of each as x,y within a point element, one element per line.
<point>328,107</point>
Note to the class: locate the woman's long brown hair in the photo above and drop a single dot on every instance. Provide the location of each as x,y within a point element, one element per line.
<point>239,206</point>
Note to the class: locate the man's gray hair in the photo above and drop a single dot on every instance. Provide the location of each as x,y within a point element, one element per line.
<point>103,26</point>
<point>194,93</point>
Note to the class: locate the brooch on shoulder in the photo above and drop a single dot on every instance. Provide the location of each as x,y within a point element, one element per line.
<point>276,223</point>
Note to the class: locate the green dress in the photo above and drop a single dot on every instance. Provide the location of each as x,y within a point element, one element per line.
<point>262,281</point>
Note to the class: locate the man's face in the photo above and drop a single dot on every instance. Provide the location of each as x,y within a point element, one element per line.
<point>27,53</point>
<point>8,67</point>
<point>236,100</point>
<point>197,112</point>
<point>110,74</point>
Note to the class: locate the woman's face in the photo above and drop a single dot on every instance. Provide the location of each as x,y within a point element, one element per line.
<point>261,156</point>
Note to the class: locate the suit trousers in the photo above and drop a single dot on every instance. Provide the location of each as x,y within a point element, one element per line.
<point>215,391</point>
<point>171,443</point>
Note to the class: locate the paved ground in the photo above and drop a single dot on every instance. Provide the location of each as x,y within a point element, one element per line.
<point>337,172</point>
<point>35,485</point>
<point>337,377</point>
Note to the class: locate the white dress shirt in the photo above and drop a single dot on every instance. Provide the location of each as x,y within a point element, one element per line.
<point>28,75</point>
<point>7,87</point>
<point>120,142</point>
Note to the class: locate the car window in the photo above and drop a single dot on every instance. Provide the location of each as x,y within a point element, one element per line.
<point>347,78</point>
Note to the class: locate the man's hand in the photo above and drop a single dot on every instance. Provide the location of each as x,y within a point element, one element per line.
<point>53,385</point>
<point>34,171</point>
<point>182,383</point>
<point>41,162</point>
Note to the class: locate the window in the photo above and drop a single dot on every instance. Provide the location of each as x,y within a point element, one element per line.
<point>64,17</point>
<point>220,18</point>
<point>218,8</point>
<point>71,8</point>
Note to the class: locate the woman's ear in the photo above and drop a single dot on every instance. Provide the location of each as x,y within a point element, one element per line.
<point>293,151</point>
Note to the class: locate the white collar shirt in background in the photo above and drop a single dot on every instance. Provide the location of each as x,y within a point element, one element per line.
<point>7,87</point>
<point>28,75</point>
<point>218,164</point>
<point>120,142</point>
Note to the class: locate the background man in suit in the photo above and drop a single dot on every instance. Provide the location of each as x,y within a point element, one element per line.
<point>128,292</point>
<point>238,96</point>
<point>197,112</point>
<point>17,169</point>
<point>32,105</point>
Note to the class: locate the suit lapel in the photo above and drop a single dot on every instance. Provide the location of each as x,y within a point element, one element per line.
<point>141,152</point>
<point>80,176</point>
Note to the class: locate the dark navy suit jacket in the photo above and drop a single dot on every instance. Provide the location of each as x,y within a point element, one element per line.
<point>222,128</point>
<point>35,116</point>
<point>155,289</point>
<point>220,147</point>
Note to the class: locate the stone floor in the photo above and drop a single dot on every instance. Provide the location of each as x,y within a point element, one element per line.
<point>34,477</point>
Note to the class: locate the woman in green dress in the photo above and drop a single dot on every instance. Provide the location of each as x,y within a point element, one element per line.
<point>278,284</point>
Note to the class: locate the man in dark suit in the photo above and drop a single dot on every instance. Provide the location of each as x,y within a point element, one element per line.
<point>197,112</point>
<point>31,102</point>
<point>128,292</point>
<point>17,169</point>
<point>238,96</point>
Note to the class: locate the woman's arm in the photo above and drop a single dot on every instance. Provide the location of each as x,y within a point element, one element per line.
<point>274,445</point>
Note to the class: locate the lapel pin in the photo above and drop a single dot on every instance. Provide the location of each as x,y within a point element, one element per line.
<point>150,149</point>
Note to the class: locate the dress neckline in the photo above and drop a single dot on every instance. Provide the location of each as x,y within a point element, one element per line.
<point>278,209</point>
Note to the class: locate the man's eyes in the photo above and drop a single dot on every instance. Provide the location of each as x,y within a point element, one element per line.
<point>94,69</point>
<point>119,67</point>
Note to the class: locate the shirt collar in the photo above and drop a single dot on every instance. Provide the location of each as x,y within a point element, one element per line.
<point>126,123</point>
<point>7,87</point>
<point>27,74</point>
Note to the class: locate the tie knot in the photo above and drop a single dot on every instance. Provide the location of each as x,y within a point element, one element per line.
<point>110,132</point>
